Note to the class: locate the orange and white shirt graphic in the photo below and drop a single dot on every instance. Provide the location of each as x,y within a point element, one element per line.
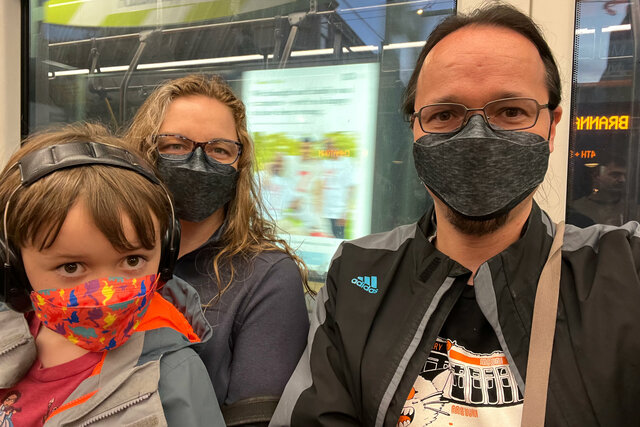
<point>460,388</point>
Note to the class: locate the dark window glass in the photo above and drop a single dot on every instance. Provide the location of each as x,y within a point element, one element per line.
<point>603,164</point>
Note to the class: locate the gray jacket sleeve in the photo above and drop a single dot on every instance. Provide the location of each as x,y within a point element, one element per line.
<point>186,393</point>
<point>316,394</point>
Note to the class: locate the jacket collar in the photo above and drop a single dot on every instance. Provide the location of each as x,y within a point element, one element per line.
<point>212,243</point>
<point>187,301</point>
<point>534,243</point>
<point>506,285</point>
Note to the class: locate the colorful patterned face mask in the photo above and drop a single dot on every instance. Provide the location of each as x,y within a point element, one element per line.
<point>97,315</point>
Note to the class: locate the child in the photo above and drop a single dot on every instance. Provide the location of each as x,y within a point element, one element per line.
<point>87,237</point>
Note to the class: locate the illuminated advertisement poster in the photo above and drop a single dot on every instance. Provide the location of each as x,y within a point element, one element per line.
<point>314,130</point>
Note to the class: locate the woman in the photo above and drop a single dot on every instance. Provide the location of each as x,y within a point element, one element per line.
<point>250,282</point>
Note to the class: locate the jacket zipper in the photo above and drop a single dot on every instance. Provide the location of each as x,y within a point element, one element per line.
<point>115,410</point>
<point>14,346</point>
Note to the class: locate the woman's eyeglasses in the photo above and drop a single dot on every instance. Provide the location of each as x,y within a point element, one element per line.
<point>222,150</point>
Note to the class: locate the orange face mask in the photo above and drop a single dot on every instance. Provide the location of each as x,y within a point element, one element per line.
<point>98,315</point>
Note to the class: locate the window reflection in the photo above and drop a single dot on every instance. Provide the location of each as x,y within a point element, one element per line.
<point>322,81</point>
<point>603,164</point>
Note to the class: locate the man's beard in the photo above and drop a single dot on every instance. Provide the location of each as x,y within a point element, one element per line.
<point>474,227</point>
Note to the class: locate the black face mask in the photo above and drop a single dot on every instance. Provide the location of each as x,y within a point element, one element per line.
<point>199,185</point>
<point>481,173</point>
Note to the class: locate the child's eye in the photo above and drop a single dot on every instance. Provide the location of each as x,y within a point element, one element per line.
<point>70,269</point>
<point>133,261</point>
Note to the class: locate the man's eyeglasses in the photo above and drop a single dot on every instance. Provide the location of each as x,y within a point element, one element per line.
<point>501,114</point>
<point>222,150</point>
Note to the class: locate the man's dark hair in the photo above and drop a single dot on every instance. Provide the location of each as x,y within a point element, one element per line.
<point>501,15</point>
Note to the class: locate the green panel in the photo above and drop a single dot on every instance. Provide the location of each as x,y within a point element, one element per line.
<point>60,14</point>
<point>126,19</point>
<point>204,11</point>
<point>63,12</point>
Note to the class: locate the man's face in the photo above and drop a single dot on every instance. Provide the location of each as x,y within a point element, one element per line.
<point>478,64</point>
<point>612,178</point>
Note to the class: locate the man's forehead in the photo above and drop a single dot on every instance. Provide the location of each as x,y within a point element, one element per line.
<point>486,56</point>
<point>489,41</point>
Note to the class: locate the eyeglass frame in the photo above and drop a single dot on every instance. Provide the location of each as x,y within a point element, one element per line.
<point>202,145</point>
<point>465,119</point>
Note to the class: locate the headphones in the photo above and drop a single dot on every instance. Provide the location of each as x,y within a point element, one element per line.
<point>14,284</point>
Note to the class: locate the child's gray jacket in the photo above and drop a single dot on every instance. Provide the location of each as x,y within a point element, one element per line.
<point>155,379</point>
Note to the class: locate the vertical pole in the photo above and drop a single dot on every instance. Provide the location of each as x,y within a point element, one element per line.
<point>10,19</point>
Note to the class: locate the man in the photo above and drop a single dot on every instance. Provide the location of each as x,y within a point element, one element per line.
<point>605,203</point>
<point>430,324</point>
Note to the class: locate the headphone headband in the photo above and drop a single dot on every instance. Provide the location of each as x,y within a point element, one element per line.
<point>41,163</point>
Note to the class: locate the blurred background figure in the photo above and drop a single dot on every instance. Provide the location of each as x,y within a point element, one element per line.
<point>337,188</point>
<point>276,188</point>
<point>306,191</point>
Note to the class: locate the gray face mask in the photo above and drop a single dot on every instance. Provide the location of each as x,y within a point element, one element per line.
<point>199,184</point>
<point>481,173</point>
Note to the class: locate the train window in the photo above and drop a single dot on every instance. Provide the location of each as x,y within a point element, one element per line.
<point>322,81</point>
<point>604,155</point>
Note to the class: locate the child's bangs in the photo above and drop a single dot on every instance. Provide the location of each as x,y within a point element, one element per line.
<point>116,195</point>
<point>111,194</point>
<point>35,217</point>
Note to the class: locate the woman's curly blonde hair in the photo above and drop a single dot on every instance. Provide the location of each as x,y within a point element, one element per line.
<point>249,231</point>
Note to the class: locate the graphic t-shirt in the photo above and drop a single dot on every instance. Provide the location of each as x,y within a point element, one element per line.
<point>36,396</point>
<point>466,380</point>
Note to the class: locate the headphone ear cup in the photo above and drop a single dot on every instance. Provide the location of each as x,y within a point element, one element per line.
<point>14,284</point>
<point>170,251</point>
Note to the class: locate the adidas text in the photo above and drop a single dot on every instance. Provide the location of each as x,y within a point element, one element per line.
<point>367,283</point>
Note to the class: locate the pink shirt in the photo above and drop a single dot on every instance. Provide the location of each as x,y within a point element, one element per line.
<point>36,396</point>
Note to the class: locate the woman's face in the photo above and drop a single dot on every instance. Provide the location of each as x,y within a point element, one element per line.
<point>200,118</point>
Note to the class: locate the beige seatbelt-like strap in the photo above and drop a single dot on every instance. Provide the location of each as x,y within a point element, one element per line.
<point>543,328</point>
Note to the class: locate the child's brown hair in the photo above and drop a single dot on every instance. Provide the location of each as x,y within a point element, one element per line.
<point>37,212</point>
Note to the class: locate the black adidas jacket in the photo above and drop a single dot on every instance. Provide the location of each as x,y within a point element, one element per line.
<point>365,349</point>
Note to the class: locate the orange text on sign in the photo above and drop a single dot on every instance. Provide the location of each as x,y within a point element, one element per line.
<point>602,122</point>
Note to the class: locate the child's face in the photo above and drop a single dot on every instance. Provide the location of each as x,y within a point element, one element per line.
<point>82,253</point>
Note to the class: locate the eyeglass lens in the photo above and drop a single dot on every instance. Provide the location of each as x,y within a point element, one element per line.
<point>221,150</point>
<point>507,114</point>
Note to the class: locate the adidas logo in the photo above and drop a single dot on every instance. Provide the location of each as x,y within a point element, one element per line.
<point>367,283</point>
